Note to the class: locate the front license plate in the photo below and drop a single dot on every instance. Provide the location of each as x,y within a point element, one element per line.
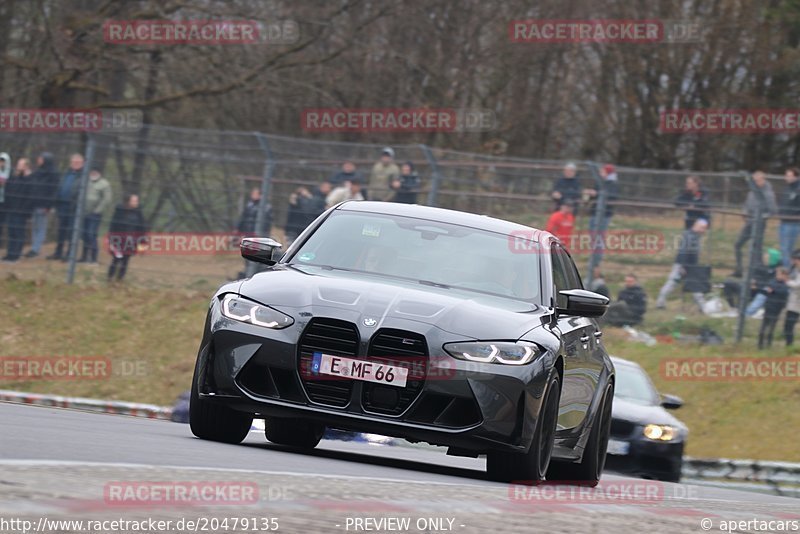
<point>377,372</point>
<point>617,447</point>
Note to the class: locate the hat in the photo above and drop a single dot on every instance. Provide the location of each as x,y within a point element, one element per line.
<point>608,168</point>
<point>773,257</point>
<point>388,151</point>
<point>570,165</point>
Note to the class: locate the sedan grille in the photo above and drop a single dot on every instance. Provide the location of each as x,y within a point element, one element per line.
<point>621,429</point>
<point>329,336</point>
<point>399,348</point>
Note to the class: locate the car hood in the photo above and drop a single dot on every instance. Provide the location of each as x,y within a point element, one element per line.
<point>626,410</point>
<point>465,313</point>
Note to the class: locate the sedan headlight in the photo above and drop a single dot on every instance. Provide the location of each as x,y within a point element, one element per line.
<point>494,352</point>
<point>240,309</point>
<point>660,432</point>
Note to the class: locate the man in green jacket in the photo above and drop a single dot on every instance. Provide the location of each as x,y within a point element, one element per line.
<point>98,200</point>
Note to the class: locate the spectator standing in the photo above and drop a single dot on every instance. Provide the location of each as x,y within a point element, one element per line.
<point>384,172</point>
<point>598,224</point>
<point>18,208</point>
<point>44,184</point>
<point>695,199</point>
<point>793,303</point>
<point>630,306</point>
<point>5,174</point>
<point>249,215</point>
<point>789,229</point>
<point>300,205</point>
<point>688,255</point>
<point>598,283</point>
<point>247,221</point>
<point>126,231</point>
<point>98,200</point>
<point>69,188</point>
<point>348,191</point>
<point>561,223</point>
<point>567,189</point>
<point>752,204</point>
<point>318,202</point>
<point>406,186</point>
<point>347,173</point>
<point>777,294</point>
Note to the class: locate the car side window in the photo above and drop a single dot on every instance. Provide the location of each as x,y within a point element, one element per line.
<point>560,280</point>
<point>573,277</point>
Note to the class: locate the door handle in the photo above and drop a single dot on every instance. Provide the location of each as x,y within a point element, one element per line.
<point>598,334</point>
<point>585,339</point>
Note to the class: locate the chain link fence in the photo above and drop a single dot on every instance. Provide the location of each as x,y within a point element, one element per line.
<point>198,182</point>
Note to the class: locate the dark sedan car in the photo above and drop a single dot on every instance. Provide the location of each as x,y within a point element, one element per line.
<point>646,440</point>
<point>420,323</point>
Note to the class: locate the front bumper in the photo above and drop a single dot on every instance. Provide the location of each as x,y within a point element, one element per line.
<point>466,405</point>
<point>647,458</point>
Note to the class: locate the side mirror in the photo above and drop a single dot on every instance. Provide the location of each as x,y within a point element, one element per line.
<point>671,402</point>
<point>583,303</point>
<point>260,249</point>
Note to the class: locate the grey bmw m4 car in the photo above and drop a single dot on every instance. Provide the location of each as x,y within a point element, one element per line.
<point>420,323</point>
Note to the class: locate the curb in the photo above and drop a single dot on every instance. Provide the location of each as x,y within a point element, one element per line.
<point>134,409</point>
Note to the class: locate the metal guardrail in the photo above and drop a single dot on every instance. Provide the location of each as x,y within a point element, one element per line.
<point>780,478</point>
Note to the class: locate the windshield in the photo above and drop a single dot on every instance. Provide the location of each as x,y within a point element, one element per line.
<point>633,384</point>
<point>423,251</point>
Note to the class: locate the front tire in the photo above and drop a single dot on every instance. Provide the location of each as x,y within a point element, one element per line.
<point>216,422</point>
<point>293,432</point>
<point>591,466</point>
<point>532,466</point>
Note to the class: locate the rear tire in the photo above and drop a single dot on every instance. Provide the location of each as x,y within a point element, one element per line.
<point>590,468</point>
<point>293,432</point>
<point>216,422</point>
<point>530,467</point>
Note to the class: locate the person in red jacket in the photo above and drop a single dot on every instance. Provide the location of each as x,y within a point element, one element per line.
<point>561,223</point>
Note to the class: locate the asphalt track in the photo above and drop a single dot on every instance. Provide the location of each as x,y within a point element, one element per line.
<point>60,464</point>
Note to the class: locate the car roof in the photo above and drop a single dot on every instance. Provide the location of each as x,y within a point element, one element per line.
<point>462,218</point>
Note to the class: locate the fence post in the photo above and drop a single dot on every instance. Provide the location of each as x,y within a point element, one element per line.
<point>754,256</point>
<point>77,224</point>
<point>597,217</point>
<point>436,177</point>
<point>266,183</point>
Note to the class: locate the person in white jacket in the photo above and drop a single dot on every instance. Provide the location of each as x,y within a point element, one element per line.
<point>793,305</point>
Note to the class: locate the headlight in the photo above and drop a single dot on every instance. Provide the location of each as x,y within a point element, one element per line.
<point>494,352</point>
<point>660,432</point>
<point>240,309</point>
